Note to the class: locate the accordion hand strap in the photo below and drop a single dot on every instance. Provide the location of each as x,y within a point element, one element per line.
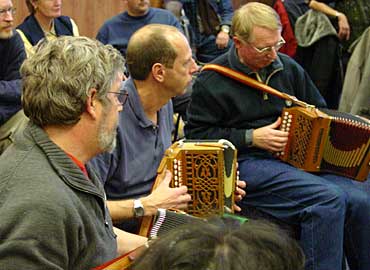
<point>240,77</point>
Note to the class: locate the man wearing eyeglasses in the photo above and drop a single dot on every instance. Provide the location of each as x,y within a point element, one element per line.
<point>52,205</point>
<point>330,211</point>
<point>12,55</point>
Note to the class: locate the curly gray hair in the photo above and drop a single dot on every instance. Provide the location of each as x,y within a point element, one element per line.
<point>58,78</point>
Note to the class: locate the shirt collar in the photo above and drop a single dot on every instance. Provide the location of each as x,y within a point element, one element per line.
<point>135,103</point>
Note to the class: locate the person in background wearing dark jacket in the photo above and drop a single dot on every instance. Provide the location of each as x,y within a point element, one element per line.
<point>12,55</point>
<point>330,210</point>
<point>210,22</point>
<point>53,207</point>
<point>45,21</point>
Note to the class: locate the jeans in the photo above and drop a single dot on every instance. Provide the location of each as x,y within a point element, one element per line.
<point>330,210</point>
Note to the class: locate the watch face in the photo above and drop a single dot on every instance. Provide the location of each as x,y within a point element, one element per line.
<point>138,208</point>
<point>139,211</point>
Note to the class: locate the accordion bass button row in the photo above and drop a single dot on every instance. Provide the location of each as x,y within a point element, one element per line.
<point>177,175</point>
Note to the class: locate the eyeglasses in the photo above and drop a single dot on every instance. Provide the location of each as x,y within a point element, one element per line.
<point>11,10</point>
<point>268,49</point>
<point>121,96</point>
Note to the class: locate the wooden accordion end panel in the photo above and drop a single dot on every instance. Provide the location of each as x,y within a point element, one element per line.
<point>327,141</point>
<point>208,169</point>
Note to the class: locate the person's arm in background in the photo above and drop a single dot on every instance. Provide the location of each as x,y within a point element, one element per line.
<point>344,28</point>
<point>225,11</point>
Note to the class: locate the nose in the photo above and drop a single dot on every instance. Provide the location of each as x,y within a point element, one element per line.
<point>273,53</point>
<point>194,67</point>
<point>8,16</point>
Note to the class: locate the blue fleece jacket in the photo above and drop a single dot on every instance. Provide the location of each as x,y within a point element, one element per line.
<point>224,108</point>
<point>12,55</point>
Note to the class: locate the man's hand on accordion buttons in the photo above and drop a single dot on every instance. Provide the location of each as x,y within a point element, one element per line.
<point>165,197</point>
<point>239,193</point>
<point>270,137</point>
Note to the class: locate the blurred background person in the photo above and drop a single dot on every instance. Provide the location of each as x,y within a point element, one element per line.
<point>12,55</point>
<point>45,21</point>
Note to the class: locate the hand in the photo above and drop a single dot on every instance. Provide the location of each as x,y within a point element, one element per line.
<point>344,30</point>
<point>239,193</point>
<point>270,138</point>
<point>222,40</point>
<point>165,197</point>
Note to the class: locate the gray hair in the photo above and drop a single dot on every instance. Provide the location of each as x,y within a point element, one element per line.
<point>58,78</point>
<point>254,14</point>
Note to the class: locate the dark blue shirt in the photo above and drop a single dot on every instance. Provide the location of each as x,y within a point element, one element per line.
<point>12,55</point>
<point>118,30</point>
<point>131,169</point>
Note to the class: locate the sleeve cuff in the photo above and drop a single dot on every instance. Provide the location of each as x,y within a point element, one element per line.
<point>249,137</point>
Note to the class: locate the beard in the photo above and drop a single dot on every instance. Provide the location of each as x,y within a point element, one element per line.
<point>107,140</point>
<point>107,137</point>
<point>6,34</point>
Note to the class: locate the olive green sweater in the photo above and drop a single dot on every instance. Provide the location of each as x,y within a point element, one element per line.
<point>51,215</point>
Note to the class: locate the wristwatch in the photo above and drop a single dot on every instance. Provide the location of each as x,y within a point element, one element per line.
<point>138,209</point>
<point>225,28</point>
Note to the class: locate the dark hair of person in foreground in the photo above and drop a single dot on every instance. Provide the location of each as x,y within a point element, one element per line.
<point>223,244</point>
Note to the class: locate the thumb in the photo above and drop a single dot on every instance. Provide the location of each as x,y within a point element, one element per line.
<point>276,124</point>
<point>167,178</point>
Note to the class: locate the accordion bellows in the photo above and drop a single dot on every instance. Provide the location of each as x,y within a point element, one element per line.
<point>327,141</point>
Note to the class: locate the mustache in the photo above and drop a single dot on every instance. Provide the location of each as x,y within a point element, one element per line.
<point>7,25</point>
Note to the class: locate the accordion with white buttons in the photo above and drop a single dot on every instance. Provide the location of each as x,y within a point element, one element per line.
<point>327,141</point>
<point>208,169</point>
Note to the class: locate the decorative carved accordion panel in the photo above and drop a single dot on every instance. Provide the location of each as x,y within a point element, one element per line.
<point>208,169</point>
<point>327,141</point>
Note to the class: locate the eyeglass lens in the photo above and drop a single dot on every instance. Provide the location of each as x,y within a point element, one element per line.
<point>11,10</point>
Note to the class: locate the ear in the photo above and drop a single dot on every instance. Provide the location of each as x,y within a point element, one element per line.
<point>237,42</point>
<point>91,103</point>
<point>158,72</point>
<point>34,4</point>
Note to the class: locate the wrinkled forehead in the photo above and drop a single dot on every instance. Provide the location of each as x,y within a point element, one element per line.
<point>263,34</point>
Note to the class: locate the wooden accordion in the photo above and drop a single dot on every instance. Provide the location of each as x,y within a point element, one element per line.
<point>326,141</point>
<point>208,169</point>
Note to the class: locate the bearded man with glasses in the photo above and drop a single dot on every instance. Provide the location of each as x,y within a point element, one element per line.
<point>331,212</point>
<point>53,207</point>
<point>12,55</point>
